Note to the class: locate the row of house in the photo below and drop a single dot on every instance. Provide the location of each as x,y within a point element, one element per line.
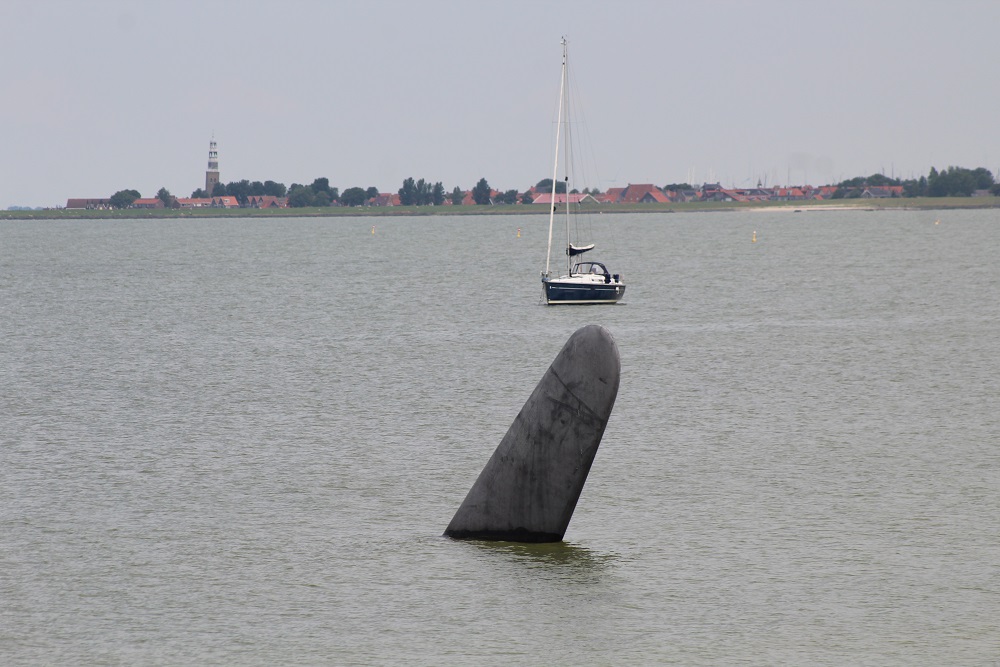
<point>629,195</point>
<point>645,193</point>
<point>715,192</point>
<point>99,204</point>
<point>255,201</point>
<point>648,193</point>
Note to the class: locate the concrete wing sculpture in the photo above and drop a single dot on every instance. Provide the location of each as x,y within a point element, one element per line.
<point>529,488</point>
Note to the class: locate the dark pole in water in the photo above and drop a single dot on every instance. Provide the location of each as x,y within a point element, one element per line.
<point>529,488</point>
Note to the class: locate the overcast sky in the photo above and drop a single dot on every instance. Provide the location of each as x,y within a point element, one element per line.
<point>103,95</point>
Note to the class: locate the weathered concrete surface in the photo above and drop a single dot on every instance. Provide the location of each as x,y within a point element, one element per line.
<point>529,488</point>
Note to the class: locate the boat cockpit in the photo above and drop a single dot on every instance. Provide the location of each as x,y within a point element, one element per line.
<point>594,269</point>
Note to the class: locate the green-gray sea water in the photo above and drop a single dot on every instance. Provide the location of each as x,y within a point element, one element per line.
<point>237,442</point>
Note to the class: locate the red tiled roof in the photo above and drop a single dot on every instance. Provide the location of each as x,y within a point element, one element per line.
<point>735,195</point>
<point>561,198</point>
<point>266,201</point>
<point>634,194</point>
<point>194,202</point>
<point>88,203</point>
<point>386,199</point>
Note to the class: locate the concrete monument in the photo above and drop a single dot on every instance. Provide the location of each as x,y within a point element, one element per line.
<point>529,488</point>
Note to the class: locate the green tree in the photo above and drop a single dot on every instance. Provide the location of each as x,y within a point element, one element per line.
<point>941,184</point>
<point>856,182</point>
<point>199,194</point>
<point>963,183</point>
<point>880,180</point>
<point>371,192</point>
<point>320,185</point>
<point>545,185</point>
<point>509,197</point>
<point>240,190</point>
<point>418,193</point>
<point>457,196</point>
<point>481,193</point>
<point>354,197</point>
<point>275,189</point>
<point>124,198</point>
<point>164,196</point>
<point>321,198</point>
<point>408,193</point>
<point>915,187</point>
<point>527,198</point>
<point>937,183</point>
<point>300,196</point>
<point>982,178</point>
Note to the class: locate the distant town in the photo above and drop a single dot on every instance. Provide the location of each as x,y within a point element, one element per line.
<point>950,182</point>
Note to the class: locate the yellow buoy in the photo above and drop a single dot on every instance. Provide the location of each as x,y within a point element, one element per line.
<point>373,229</point>
<point>518,232</point>
<point>937,222</point>
<point>754,239</point>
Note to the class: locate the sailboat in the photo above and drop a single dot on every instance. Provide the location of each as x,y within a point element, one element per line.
<point>585,282</point>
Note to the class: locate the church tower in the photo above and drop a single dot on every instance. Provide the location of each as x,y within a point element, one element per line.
<point>212,175</point>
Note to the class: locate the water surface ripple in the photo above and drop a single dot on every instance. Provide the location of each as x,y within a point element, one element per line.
<point>239,442</point>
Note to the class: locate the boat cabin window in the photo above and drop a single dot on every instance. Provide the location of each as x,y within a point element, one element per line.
<point>590,267</point>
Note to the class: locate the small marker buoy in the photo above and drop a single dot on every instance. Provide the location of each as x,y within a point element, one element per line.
<point>518,232</point>
<point>937,222</point>
<point>373,229</point>
<point>754,239</point>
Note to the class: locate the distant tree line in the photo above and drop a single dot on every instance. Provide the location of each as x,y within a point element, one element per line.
<point>421,193</point>
<point>243,190</point>
<point>952,182</point>
<point>956,181</point>
<point>319,193</point>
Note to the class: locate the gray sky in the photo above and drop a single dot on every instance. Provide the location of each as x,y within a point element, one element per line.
<point>103,95</point>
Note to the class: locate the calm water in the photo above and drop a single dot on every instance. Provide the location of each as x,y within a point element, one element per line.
<point>238,442</point>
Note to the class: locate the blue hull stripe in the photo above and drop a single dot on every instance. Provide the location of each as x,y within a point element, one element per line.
<point>583,294</point>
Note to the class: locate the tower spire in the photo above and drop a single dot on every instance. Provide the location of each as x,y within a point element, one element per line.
<point>212,174</point>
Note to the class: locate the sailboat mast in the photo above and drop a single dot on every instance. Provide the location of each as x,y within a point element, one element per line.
<point>555,166</point>
<point>567,165</point>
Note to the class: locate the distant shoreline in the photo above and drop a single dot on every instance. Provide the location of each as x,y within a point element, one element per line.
<point>914,203</point>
